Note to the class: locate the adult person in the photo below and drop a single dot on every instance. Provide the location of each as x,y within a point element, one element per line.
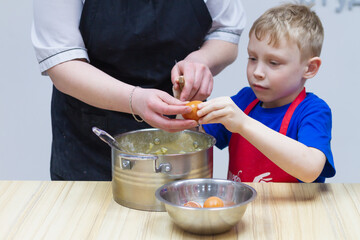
<point>112,60</point>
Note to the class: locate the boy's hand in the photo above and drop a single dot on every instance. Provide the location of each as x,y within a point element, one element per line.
<point>221,110</point>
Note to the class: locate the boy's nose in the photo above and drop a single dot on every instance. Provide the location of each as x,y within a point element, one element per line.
<point>259,73</point>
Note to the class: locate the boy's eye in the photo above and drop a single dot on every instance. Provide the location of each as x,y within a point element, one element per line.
<point>274,63</point>
<point>252,59</point>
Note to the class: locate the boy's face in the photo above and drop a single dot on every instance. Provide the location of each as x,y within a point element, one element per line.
<point>275,74</point>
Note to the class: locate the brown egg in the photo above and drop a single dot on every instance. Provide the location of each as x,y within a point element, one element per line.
<point>193,114</point>
<point>192,204</point>
<point>213,202</point>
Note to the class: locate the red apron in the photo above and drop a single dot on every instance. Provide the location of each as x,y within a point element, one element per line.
<point>247,164</point>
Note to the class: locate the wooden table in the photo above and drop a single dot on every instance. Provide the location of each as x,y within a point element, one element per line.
<point>86,210</point>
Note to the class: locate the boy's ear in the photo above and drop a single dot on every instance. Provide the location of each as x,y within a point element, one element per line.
<point>312,67</point>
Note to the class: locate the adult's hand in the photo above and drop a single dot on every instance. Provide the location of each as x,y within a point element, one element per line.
<point>199,67</point>
<point>153,105</point>
<point>198,80</point>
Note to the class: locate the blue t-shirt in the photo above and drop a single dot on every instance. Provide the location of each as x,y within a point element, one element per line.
<point>310,124</point>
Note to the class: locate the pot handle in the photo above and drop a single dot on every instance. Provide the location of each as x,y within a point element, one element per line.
<point>126,162</point>
<point>163,167</point>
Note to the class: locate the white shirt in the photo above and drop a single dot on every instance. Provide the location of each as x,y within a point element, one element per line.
<point>56,37</point>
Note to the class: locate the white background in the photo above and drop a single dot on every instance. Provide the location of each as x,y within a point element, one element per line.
<point>25,132</point>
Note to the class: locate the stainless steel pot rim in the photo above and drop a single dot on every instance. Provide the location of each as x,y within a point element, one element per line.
<point>212,141</point>
<point>157,129</point>
<point>212,180</point>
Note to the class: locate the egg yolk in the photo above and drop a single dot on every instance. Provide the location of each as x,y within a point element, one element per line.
<point>213,202</point>
<point>194,108</point>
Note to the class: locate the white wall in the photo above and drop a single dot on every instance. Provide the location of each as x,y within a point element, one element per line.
<point>25,134</point>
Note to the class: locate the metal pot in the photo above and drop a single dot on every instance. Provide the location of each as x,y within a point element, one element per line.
<point>149,158</point>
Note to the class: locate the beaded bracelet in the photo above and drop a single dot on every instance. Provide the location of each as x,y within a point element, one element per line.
<point>130,103</point>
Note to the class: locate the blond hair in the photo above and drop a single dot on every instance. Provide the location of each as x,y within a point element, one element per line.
<point>296,23</point>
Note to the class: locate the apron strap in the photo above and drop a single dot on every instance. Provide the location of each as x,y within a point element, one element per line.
<point>251,106</point>
<point>286,120</point>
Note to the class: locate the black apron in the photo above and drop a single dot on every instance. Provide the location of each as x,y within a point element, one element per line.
<point>137,42</point>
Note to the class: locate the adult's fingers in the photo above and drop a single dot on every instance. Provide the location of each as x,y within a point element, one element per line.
<point>172,125</point>
<point>163,104</point>
<point>198,80</point>
<point>175,73</point>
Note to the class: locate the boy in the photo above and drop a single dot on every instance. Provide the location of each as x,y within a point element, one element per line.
<point>276,132</point>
